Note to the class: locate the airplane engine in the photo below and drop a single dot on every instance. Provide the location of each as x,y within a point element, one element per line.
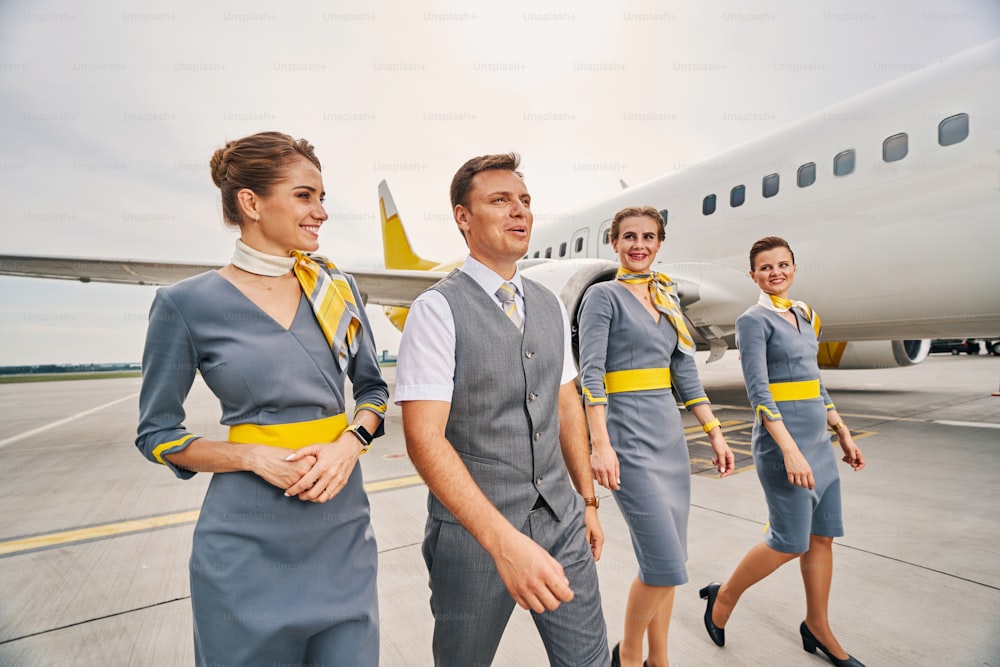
<point>866,354</point>
<point>568,278</point>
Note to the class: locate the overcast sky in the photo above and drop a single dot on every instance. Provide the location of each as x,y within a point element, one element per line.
<point>109,115</point>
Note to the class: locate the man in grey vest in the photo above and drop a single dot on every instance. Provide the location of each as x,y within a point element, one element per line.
<point>485,377</point>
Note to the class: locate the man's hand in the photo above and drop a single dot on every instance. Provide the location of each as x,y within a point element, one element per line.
<point>533,578</point>
<point>595,534</point>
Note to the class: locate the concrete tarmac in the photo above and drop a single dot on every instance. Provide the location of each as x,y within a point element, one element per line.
<point>94,540</point>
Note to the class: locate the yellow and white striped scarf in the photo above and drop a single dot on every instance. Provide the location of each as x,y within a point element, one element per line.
<point>779,305</point>
<point>333,303</point>
<point>661,289</point>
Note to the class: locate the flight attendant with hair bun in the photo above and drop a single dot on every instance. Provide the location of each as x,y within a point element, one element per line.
<point>283,561</point>
<point>778,341</point>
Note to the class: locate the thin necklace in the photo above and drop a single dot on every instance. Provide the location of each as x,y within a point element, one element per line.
<point>261,285</point>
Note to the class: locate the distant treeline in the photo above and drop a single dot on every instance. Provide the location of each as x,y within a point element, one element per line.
<point>68,368</point>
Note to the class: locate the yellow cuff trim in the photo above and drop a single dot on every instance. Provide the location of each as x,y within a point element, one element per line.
<point>159,449</point>
<point>775,416</point>
<point>637,379</point>
<point>794,391</point>
<point>710,425</point>
<point>371,406</point>
<point>831,406</point>
<point>696,401</point>
<point>600,400</point>
<point>290,436</point>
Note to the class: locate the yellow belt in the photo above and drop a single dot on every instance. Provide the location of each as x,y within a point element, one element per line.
<point>637,379</point>
<point>290,436</point>
<point>794,391</point>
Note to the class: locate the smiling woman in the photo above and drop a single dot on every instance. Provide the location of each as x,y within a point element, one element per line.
<point>634,348</point>
<point>778,340</point>
<point>275,335</point>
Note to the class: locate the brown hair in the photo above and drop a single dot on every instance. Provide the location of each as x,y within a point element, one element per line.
<point>637,212</point>
<point>768,243</point>
<point>462,182</point>
<point>255,162</point>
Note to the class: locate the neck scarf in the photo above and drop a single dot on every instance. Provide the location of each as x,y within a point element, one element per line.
<point>778,305</point>
<point>261,264</point>
<point>661,289</point>
<point>333,303</point>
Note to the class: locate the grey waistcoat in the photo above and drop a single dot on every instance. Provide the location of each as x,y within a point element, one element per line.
<point>504,420</point>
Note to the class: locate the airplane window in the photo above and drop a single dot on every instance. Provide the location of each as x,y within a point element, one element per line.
<point>548,252</point>
<point>606,237</point>
<point>579,245</point>
<point>562,249</point>
<point>737,196</point>
<point>537,253</point>
<point>770,185</point>
<point>807,174</point>
<point>843,164</point>
<point>954,129</point>
<point>663,212</point>
<point>708,205</point>
<point>895,147</point>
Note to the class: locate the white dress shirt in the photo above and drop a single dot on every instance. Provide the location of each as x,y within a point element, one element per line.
<point>425,365</point>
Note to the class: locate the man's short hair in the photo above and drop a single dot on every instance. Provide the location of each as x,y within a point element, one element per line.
<point>462,182</point>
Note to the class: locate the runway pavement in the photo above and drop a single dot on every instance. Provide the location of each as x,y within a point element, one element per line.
<point>94,540</point>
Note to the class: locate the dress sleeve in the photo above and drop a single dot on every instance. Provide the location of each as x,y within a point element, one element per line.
<point>827,401</point>
<point>169,362</point>
<point>751,339</point>
<point>370,390</point>
<point>684,377</point>
<point>596,312</point>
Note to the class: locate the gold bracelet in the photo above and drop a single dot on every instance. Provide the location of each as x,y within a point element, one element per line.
<point>710,425</point>
<point>836,427</point>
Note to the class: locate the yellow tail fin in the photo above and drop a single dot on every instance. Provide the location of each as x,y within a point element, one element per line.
<point>396,249</point>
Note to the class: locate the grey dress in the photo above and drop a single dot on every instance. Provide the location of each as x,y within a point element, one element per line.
<point>617,333</point>
<point>773,351</point>
<point>273,579</point>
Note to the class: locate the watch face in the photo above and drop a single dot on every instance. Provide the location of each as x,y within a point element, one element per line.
<point>362,433</point>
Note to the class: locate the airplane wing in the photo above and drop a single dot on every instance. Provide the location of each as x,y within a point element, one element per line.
<point>124,271</point>
<point>380,286</point>
<point>393,287</point>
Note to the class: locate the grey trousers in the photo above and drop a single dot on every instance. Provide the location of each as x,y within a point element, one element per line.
<point>471,605</point>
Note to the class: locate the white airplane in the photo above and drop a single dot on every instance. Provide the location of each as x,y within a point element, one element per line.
<point>891,201</point>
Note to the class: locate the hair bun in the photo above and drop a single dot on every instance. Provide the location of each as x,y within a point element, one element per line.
<point>220,165</point>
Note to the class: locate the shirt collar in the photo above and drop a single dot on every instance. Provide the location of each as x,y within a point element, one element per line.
<point>487,278</point>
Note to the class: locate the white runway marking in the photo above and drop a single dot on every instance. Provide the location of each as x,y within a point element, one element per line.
<point>972,424</point>
<point>56,424</point>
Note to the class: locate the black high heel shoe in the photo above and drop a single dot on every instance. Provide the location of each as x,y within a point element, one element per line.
<point>709,593</point>
<point>810,644</point>
<point>616,660</point>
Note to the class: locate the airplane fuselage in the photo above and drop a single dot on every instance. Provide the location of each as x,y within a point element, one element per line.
<point>902,245</point>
